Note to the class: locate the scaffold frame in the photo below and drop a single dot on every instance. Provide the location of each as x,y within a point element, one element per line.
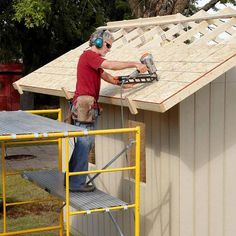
<point>8,139</point>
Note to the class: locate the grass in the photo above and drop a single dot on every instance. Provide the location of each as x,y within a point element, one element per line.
<point>29,216</point>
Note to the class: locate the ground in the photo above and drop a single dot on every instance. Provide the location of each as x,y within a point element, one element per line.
<point>30,215</point>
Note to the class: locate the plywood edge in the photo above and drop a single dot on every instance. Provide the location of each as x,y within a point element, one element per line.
<point>53,92</point>
<point>17,87</point>
<point>143,105</point>
<point>199,83</point>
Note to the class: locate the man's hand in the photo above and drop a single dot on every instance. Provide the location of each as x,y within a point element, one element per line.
<point>128,86</point>
<point>141,67</point>
<point>116,80</point>
<point>125,86</point>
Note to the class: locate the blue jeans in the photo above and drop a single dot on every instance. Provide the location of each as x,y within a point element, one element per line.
<point>79,158</point>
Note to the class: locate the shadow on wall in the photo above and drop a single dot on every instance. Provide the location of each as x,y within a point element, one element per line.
<point>158,219</point>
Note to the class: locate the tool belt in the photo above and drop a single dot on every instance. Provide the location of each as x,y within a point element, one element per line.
<point>84,109</point>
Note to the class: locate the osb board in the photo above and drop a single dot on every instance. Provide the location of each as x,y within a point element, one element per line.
<point>178,71</point>
<point>178,57</point>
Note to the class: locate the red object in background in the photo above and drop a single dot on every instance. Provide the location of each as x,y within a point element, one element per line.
<point>9,97</point>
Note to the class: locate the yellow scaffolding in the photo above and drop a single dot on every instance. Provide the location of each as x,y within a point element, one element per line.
<point>23,139</point>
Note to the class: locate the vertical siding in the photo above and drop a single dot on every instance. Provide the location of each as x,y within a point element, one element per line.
<point>165,175</point>
<point>186,214</point>
<point>148,212</point>
<point>230,150</point>
<point>201,161</point>
<point>216,157</point>
<point>154,175</point>
<point>159,195</point>
<point>174,172</point>
<point>207,160</point>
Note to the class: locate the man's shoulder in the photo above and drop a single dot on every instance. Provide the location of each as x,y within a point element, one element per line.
<point>85,55</point>
<point>92,58</point>
<point>90,52</point>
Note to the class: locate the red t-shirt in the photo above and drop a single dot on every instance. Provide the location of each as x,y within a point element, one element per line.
<point>89,75</point>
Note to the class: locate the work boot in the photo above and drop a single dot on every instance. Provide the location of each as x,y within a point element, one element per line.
<point>83,188</point>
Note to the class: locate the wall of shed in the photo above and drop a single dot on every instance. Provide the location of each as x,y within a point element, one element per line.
<point>207,160</point>
<point>190,167</point>
<point>160,193</point>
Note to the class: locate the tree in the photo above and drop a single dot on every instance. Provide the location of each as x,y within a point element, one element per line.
<point>38,31</point>
<point>149,8</point>
<point>10,49</point>
<point>47,29</point>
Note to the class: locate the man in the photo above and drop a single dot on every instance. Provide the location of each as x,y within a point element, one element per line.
<point>89,73</point>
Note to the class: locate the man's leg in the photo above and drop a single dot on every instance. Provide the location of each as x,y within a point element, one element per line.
<point>79,158</point>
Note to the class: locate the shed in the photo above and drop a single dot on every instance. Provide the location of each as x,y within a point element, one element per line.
<point>187,119</point>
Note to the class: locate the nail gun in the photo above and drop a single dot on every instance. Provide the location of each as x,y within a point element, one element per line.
<point>136,77</point>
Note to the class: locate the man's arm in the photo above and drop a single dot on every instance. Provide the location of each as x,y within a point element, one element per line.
<point>113,80</point>
<point>109,78</point>
<point>120,65</point>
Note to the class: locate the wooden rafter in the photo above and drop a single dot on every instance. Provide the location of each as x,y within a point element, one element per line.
<point>173,19</point>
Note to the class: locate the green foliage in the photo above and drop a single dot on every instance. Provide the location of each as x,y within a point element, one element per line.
<point>10,48</point>
<point>192,8</point>
<point>40,30</point>
<point>32,12</point>
<point>116,10</point>
<point>229,1</point>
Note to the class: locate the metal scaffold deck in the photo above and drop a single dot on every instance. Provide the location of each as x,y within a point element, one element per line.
<point>53,182</point>
<point>23,128</point>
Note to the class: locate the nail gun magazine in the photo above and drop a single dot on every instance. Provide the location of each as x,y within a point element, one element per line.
<point>136,77</point>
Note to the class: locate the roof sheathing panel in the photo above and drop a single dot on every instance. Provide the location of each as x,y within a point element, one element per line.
<point>179,45</point>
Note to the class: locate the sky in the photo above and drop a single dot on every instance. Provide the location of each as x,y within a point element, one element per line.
<point>223,35</point>
<point>218,5</point>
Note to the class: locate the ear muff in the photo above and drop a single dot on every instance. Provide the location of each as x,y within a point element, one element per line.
<point>98,42</point>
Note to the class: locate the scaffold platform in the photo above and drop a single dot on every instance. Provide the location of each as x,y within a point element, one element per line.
<point>20,122</point>
<point>52,181</point>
